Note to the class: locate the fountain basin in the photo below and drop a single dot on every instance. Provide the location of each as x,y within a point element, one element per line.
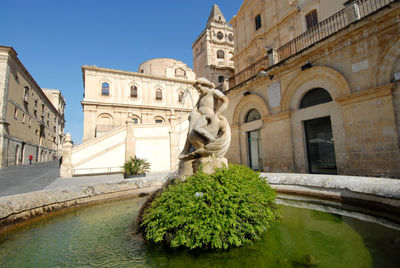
<point>103,236</point>
<point>375,193</point>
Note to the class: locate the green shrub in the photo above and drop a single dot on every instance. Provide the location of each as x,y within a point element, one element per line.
<point>231,207</point>
<point>135,166</point>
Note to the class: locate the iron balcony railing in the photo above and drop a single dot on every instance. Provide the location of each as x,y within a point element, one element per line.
<point>354,11</point>
<point>333,24</point>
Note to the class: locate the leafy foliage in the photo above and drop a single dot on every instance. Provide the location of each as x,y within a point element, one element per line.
<point>231,207</point>
<point>135,166</point>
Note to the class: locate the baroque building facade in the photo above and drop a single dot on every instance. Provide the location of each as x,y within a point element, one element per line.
<point>148,96</point>
<point>127,114</point>
<point>213,51</point>
<point>317,87</point>
<point>31,119</point>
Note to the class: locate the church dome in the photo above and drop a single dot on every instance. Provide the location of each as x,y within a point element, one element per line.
<point>167,68</point>
<point>158,66</point>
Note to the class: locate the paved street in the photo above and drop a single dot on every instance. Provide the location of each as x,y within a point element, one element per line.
<point>26,178</point>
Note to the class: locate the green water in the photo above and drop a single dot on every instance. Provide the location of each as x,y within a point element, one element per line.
<point>101,236</point>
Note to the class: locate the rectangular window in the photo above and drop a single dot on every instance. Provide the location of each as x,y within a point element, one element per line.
<point>158,94</point>
<point>133,91</point>
<point>23,118</point>
<point>258,21</point>
<point>311,19</point>
<point>26,93</point>
<point>16,113</point>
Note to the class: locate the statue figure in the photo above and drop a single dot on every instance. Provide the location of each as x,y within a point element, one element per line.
<point>209,135</point>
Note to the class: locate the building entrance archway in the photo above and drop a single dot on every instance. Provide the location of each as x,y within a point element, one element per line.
<point>254,149</point>
<point>320,146</point>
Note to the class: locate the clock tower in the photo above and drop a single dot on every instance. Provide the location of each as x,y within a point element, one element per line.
<point>213,50</point>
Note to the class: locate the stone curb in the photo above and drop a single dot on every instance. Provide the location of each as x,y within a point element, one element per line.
<point>21,207</point>
<point>389,188</point>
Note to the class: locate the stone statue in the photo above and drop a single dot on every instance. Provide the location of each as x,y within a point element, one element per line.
<point>209,134</point>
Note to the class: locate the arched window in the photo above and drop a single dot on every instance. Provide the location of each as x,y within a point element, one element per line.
<point>180,96</point>
<point>105,89</point>
<point>180,72</point>
<point>221,79</point>
<point>158,120</point>
<point>220,54</point>
<point>252,115</point>
<point>135,119</point>
<point>158,94</point>
<point>314,97</point>
<point>134,91</point>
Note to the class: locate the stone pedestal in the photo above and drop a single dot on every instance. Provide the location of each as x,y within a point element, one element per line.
<point>66,169</point>
<point>352,10</point>
<point>208,163</point>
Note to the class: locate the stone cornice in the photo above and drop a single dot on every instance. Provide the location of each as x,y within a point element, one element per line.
<point>100,69</point>
<point>365,95</point>
<point>13,54</point>
<point>138,106</point>
<point>276,117</point>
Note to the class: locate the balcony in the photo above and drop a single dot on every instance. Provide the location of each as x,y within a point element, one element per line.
<point>354,11</point>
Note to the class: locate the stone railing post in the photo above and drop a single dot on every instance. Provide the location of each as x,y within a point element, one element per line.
<point>352,10</point>
<point>173,142</point>
<point>272,56</point>
<point>66,169</point>
<point>130,142</point>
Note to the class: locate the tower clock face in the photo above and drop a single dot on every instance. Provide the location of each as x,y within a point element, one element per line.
<point>220,35</point>
<point>230,37</point>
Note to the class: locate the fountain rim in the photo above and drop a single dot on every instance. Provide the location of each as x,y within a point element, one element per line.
<point>377,193</point>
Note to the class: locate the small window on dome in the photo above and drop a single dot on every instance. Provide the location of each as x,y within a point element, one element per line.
<point>252,115</point>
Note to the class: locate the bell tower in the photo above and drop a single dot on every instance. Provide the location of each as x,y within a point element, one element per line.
<point>213,50</point>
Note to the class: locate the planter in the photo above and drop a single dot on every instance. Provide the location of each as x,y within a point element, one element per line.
<point>134,176</point>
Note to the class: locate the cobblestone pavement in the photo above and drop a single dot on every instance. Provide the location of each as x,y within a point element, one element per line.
<point>27,178</point>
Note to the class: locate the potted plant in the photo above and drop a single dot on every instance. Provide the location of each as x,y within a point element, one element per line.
<point>136,167</point>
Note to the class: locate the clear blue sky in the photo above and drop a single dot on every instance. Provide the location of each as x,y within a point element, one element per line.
<point>54,38</point>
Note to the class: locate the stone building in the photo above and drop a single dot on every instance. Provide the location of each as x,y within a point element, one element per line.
<point>58,101</point>
<point>128,114</point>
<point>213,51</point>
<point>29,122</point>
<point>148,96</point>
<point>317,87</point>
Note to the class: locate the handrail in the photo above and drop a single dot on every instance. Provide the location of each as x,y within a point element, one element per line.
<point>101,170</point>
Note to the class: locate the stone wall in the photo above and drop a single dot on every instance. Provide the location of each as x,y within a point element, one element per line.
<point>357,67</point>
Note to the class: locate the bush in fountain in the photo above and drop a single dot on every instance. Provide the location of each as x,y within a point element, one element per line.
<point>231,207</point>
<point>135,166</point>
